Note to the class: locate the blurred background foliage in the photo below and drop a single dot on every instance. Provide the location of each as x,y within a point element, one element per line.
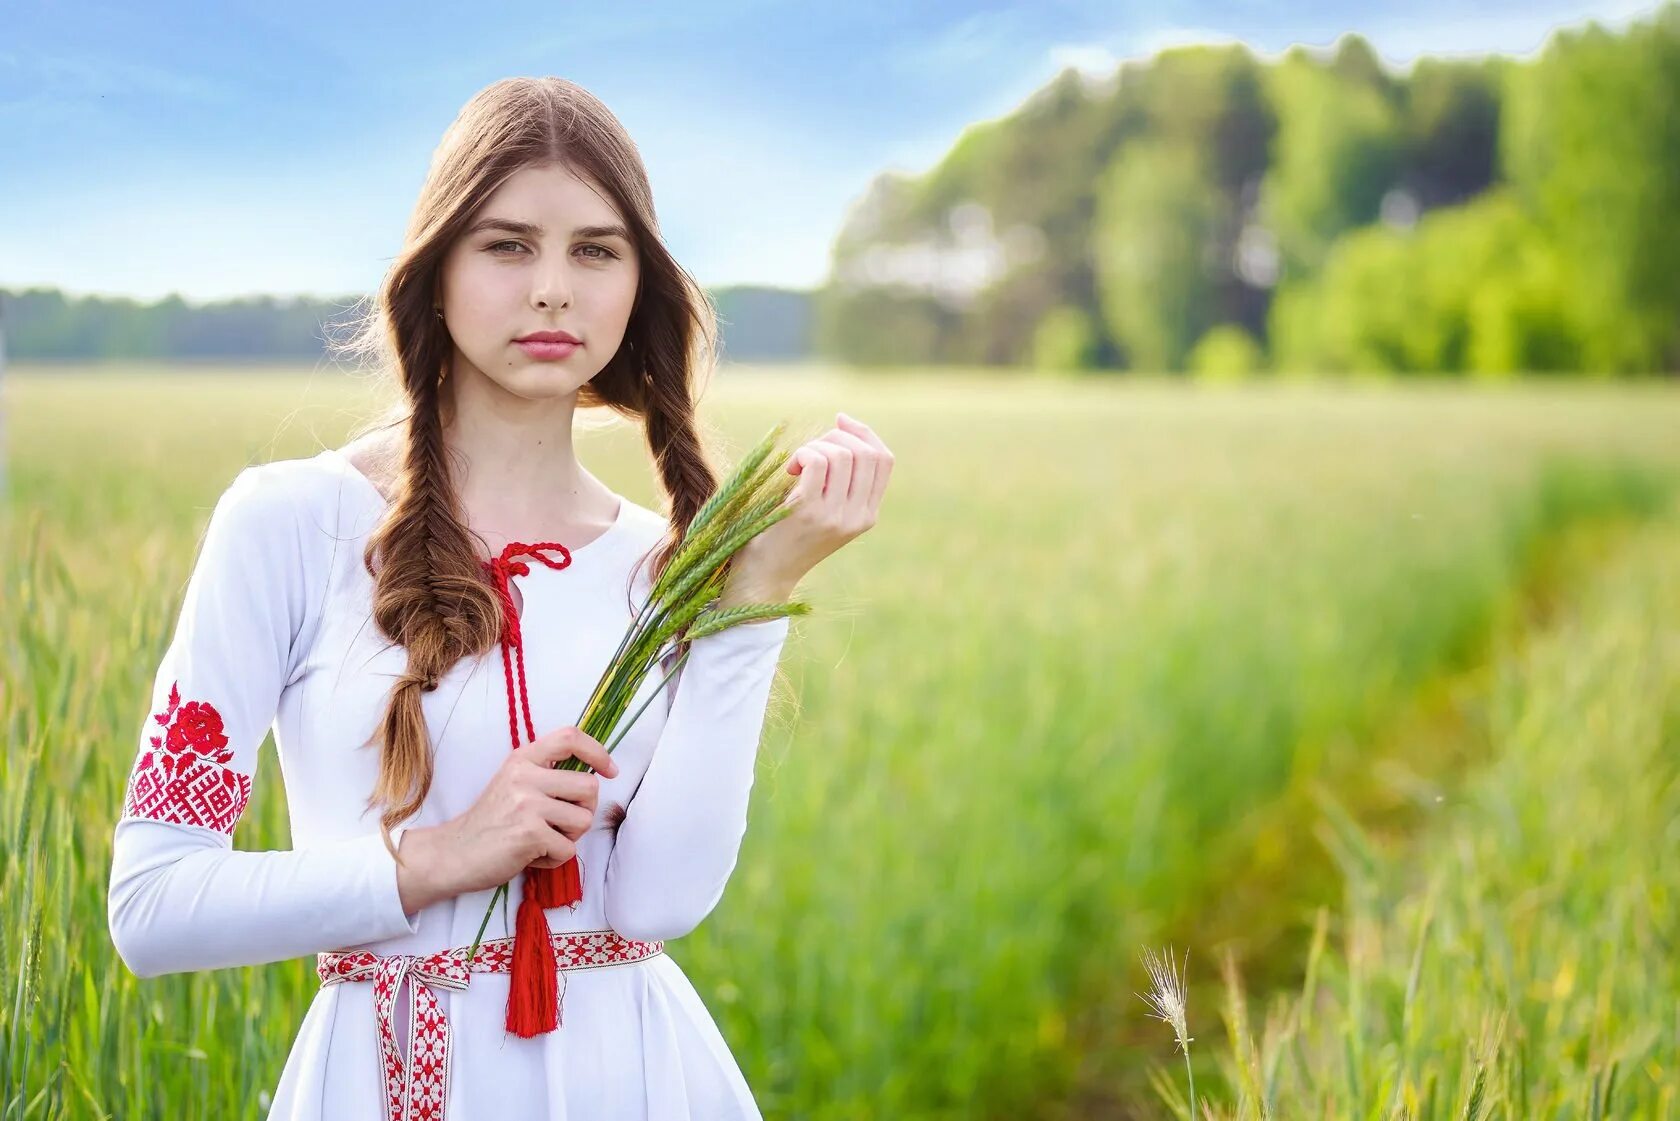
<point>1202,211</point>
<point>1208,212</point>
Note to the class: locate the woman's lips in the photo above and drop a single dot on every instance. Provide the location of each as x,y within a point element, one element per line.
<point>548,352</point>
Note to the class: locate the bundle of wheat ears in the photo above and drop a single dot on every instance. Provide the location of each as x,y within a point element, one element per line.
<point>680,607</point>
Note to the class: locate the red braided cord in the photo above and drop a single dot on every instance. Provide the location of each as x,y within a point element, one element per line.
<point>532,1004</point>
<point>502,570</point>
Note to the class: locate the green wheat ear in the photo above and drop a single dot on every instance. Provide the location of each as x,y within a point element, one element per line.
<point>749,501</point>
<point>745,613</point>
<point>743,486</point>
<point>738,480</point>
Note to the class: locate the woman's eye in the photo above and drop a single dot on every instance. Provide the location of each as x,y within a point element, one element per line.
<point>603,255</point>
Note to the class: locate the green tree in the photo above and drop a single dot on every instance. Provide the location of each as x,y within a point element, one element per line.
<point>1478,287</point>
<point>1593,148</point>
<point>1157,217</point>
<point>1065,339</point>
<point>1339,149</point>
<point>1226,353</point>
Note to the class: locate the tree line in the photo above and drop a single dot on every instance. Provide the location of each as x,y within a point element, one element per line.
<point>1207,212</point>
<point>1199,212</point>
<point>757,323</point>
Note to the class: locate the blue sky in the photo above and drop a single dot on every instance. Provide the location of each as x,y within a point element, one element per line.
<point>225,148</point>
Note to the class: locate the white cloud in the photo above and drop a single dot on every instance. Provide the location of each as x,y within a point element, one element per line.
<point>973,42</point>
<point>1399,37</point>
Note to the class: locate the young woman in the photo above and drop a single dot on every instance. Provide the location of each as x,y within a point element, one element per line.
<point>421,615</point>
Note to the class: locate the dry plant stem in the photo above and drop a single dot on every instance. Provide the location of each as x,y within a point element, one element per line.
<point>1191,1075</point>
<point>1166,999</point>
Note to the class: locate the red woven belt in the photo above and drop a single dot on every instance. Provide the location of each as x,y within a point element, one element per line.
<point>417,1088</point>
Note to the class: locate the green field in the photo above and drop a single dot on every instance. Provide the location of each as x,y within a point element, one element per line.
<point>1121,665</point>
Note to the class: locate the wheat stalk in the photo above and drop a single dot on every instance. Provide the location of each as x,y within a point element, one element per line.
<point>680,606</point>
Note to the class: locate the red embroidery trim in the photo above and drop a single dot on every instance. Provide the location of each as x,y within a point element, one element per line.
<point>418,1089</point>
<point>185,778</point>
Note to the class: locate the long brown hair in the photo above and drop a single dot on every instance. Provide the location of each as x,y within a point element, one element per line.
<point>430,592</point>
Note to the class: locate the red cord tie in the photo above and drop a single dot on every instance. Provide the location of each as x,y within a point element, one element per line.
<point>533,996</point>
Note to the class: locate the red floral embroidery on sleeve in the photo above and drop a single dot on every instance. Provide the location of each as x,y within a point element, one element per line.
<point>184,777</point>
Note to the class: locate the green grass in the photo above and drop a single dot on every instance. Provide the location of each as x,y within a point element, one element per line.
<point>1096,628</point>
<point>1522,949</point>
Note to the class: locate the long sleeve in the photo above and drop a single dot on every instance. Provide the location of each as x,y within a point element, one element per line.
<point>682,830</point>
<point>181,898</point>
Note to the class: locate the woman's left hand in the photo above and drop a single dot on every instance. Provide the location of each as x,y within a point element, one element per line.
<point>842,476</point>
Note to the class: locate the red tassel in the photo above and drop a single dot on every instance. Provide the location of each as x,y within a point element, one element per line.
<point>557,887</point>
<point>568,883</point>
<point>533,994</point>
<point>533,1002</point>
<point>539,885</point>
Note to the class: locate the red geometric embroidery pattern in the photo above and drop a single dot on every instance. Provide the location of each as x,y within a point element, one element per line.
<point>418,1089</point>
<point>185,777</point>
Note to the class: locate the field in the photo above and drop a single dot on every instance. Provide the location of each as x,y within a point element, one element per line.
<point>1371,689</point>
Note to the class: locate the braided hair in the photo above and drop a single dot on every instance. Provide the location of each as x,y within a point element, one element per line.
<point>431,594</point>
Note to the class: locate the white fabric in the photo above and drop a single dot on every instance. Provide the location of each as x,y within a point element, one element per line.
<point>276,630</point>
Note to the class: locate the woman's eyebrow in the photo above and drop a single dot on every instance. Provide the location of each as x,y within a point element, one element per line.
<point>531,229</point>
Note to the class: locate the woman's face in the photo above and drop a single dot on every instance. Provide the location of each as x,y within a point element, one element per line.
<point>544,253</point>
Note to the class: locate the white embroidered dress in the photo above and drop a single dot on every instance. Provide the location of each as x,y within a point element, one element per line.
<point>276,630</point>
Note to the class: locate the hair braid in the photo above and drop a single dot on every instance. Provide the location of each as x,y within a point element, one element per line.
<point>430,592</point>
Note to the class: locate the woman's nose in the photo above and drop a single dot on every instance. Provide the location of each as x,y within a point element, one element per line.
<point>551,289</point>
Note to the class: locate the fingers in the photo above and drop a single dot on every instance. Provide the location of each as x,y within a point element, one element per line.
<point>593,752</point>
<point>839,460</point>
<point>569,818</point>
<point>867,434</point>
<point>568,786</point>
<point>813,473</point>
<point>570,743</point>
<point>845,470</point>
<point>855,500</point>
<point>567,800</point>
<point>884,462</point>
<point>556,847</point>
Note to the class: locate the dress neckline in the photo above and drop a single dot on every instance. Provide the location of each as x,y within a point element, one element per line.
<point>620,519</point>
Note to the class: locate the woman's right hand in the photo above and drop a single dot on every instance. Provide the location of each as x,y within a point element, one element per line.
<point>528,814</point>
